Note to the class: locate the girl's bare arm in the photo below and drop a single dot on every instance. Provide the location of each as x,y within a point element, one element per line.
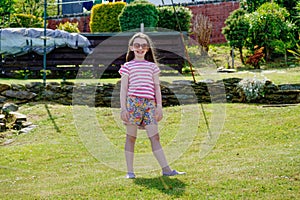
<point>157,89</point>
<point>158,98</point>
<point>123,96</point>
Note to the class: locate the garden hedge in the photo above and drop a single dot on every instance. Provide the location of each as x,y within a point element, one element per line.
<point>137,12</point>
<point>167,18</point>
<point>104,17</point>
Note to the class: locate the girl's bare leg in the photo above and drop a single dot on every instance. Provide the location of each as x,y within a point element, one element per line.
<point>129,146</point>
<point>152,131</point>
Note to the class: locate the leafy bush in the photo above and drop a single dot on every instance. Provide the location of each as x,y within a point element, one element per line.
<point>137,12</point>
<point>104,17</point>
<point>6,9</point>
<point>69,27</point>
<point>26,21</point>
<point>268,25</point>
<point>252,5</point>
<point>167,18</point>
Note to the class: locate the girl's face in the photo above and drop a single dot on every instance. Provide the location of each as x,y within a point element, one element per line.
<point>140,47</point>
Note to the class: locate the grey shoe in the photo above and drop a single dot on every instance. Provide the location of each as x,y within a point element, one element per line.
<point>130,175</point>
<point>173,173</point>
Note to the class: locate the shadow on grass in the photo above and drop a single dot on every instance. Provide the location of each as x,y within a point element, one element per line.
<point>170,186</point>
<point>52,119</point>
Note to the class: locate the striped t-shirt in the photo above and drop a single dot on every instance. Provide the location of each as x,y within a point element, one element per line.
<point>140,78</point>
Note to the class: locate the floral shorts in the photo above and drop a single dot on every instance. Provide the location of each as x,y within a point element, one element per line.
<point>141,111</point>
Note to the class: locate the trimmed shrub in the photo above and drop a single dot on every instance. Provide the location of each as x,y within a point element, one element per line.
<point>167,18</point>
<point>104,17</point>
<point>26,21</point>
<point>69,27</point>
<point>137,12</point>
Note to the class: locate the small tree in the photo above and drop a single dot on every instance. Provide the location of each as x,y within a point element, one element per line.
<point>202,29</point>
<point>137,12</point>
<point>236,30</point>
<point>268,25</point>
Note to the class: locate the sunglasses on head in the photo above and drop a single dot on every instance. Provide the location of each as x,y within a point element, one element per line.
<point>138,45</point>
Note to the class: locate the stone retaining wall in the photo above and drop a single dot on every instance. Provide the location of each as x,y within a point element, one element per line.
<point>178,92</point>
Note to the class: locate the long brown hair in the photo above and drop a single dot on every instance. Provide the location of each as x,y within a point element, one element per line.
<point>149,56</point>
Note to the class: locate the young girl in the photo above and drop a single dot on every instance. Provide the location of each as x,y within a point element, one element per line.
<point>140,99</point>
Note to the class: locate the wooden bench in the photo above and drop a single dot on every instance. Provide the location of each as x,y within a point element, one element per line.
<point>108,54</point>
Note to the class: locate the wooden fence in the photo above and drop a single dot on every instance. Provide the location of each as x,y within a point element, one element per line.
<point>108,54</point>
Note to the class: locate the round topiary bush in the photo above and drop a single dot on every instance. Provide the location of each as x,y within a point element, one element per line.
<point>104,17</point>
<point>167,18</point>
<point>137,12</point>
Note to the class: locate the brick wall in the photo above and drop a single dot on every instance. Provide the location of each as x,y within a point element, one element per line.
<point>217,13</point>
<point>83,22</point>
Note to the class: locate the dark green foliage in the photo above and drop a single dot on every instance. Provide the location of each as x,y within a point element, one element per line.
<point>253,5</point>
<point>6,6</point>
<point>167,18</point>
<point>138,12</point>
<point>290,5</point>
<point>269,27</point>
<point>236,29</point>
<point>297,16</point>
<point>104,17</point>
<point>35,7</point>
<point>6,9</point>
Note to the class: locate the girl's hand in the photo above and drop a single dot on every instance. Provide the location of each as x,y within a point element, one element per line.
<point>158,113</point>
<point>125,115</point>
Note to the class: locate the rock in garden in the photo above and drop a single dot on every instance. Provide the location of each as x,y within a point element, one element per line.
<point>17,117</point>
<point>27,129</point>
<point>33,85</point>
<point>4,87</point>
<point>7,142</point>
<point>2,99</point>
<point>19,94</point>
<point>17,87</point>
<point>10,107</point>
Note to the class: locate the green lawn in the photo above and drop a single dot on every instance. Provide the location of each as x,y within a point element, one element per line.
<point>77,152</point>
<point>255,157</point>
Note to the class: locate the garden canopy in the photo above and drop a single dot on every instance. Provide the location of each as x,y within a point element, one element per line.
<point>19,41</point>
